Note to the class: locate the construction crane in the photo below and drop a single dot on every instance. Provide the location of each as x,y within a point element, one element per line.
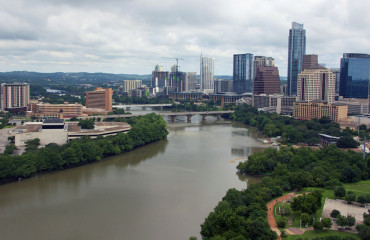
<point>177,62</point>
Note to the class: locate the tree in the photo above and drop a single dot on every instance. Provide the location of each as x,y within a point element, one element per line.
<point>282,222</point>
<point>350,197</point>
<point>347,142</point>
<point>335,213</point>
<point>339,192</point>
<point>32,145</point>
<point>351,220</point>
<point>342,221</point>
<point>326,223</point>
<point>305,217</point>
<point>318,226</point>
<point>193,238</point>
<point>11,139</point>
<point>9,149</point>
<point>361,199</point>
<point>86,124</point>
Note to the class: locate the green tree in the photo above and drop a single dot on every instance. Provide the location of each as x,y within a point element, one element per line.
<point>326,223</point>
<point>86,124</point>
<point>351,220</point>
<point>339,191</point>
<point>335,213</point>
<point>305,218</point>
<point>32,145</point>
<point>318,226</point>
<point>9,149</point>
<point>347,142</point>
<point>342,221</point>
<point>350,197</point>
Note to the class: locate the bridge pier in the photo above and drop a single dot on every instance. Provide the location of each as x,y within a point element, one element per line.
<point>173,118</point>
<point>143,108</point>
<point>128,108</point>
<point>218,116</point>
<point>188,118</point>
<point>204,117</point>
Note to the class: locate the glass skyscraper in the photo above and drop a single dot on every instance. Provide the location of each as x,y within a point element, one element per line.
<point>206,73</point>
<point>243,73</point>
<point>296,51</point>
<point>354,75</point>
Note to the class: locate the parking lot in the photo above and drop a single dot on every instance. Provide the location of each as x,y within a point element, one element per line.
<point>344,209</point>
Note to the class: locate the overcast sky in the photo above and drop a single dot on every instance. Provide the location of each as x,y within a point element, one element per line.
<point>132,36</point>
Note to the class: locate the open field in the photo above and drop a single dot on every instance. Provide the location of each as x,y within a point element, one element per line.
<point>315,234</point>
<point>359,188</point>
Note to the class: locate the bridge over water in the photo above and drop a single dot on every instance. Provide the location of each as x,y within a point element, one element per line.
<point>171,115</point>
<point>143,106</point>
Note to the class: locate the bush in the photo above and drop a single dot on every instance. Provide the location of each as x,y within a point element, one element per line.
<point>318,226</point>
<point>282,222</point>
<point>326,223</point>
<point>339,191</point>
<point>335,213</point>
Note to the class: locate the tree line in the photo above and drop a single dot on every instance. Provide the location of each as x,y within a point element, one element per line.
<point>242,214</point>
<point>144,130</point>
<point>294,131</point>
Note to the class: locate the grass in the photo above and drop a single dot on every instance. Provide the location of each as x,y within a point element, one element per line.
<point>359,188</point>
<point>325,233</point>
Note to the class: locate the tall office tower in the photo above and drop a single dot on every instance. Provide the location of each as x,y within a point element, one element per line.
<point>267,80</point>
<point>243,73</point>
<point>315,82</point>
<point>296,50</point>
<point>223,85</point>
<point>190,80</point>
<point>129,85</point>
<point>100,98</point>
<point>354,75</point>
<point>262,61</point>
<point>159,77</point>
<point>336,72</point>
<point>206,73</point>
<point>310,61</point>
<point>14,95</point>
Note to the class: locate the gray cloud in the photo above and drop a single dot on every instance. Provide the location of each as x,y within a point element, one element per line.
<point>132,36</point>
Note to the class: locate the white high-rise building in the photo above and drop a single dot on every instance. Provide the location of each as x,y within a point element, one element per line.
<point>206,73</point>
<point>316,84</point>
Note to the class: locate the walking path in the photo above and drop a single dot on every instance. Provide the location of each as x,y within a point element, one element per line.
<point>270,213</point>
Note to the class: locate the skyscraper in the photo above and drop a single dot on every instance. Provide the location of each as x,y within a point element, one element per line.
<point>296,51</point>
<point>354,75</point>
<point>14,95</point>
<point>267,80</point>
<point>159,77</point>
<point>206,73</point>
<point>243,73</point>
<point>317,83</point>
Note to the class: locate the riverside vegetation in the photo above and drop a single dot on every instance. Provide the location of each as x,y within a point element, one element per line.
<point>242,214</point>
<point>144,130</point>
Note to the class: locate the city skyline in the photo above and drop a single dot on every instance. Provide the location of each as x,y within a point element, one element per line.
<point>132,37</point>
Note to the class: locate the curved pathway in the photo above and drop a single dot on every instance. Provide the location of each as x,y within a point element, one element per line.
<point>270,214</point>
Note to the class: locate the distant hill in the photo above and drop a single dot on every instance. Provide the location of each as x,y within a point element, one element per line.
<point>67,78</point>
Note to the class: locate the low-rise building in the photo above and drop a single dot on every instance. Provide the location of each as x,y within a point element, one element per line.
<point>319,109</point>
<point>47,110</point>
<point>59,132</point>
<point>275,103</point>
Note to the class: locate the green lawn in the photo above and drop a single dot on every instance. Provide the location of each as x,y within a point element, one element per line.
<point>359,188</point>
<point>314,234</point>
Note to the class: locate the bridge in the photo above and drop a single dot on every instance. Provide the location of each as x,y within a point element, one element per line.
<point>171,115</point>
<point>143,106</point>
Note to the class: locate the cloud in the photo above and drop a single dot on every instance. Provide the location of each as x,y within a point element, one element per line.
<point>133,36</point>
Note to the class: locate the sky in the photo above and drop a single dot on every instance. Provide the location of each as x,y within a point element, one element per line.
<point>132,36</point>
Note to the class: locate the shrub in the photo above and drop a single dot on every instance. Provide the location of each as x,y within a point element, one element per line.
<point>335,213</point>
